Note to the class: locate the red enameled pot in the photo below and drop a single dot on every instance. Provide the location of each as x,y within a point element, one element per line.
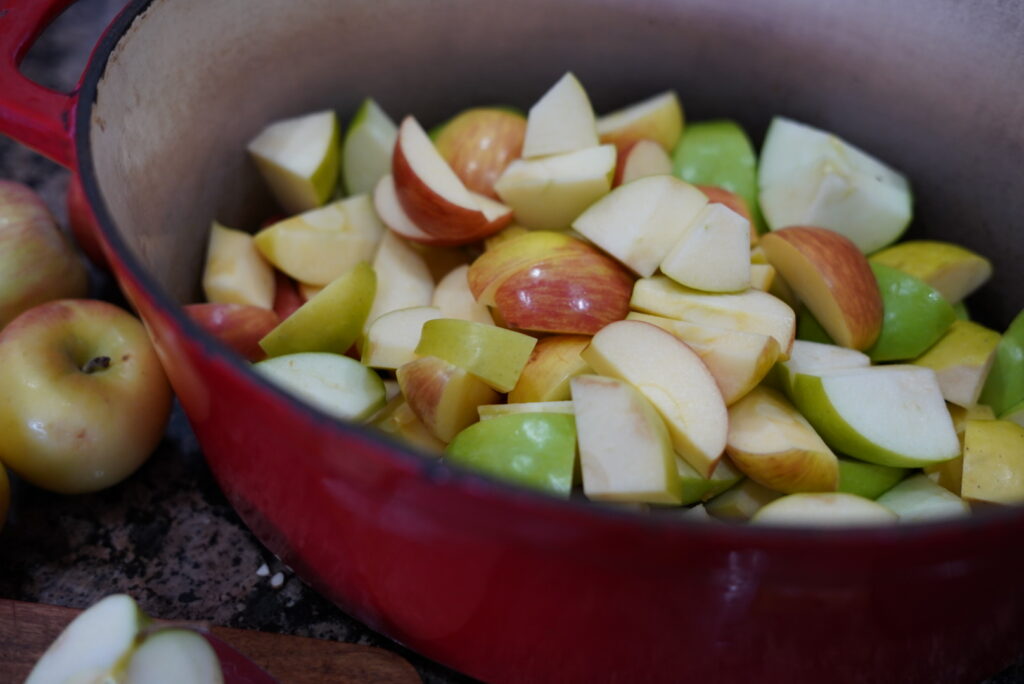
<point>499,583</point>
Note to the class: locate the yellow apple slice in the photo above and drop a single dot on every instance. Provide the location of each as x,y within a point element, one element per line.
<point>751,311</point>
<point>443,396</point>
<point>961,360</point>
<point>235,272</point>
<point>737,360</point>
<point>298,159</point>
<point>640,159</point>
<point>638,223</point>
<point>674,379</point>
<point>625,450</point>
<point>993,462</point>
<point>398,419</point>
<point>773,444</point>
<point>495,355</point>
<point>403,278</point>
<point>713,253</point>
<point>455,300</point>
<point>658,118</point>
<point>824,509</point>
<point>489,411</point>
<point>391,339</point>
<point>831,276</point>
<point>562,120</point>
<point>953,270</point>
<point>918,499</point>
<point>335,384</point>
<point>741,502</point>
<point>554,361</point>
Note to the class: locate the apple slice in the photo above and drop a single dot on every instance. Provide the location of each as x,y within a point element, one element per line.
<point>455,300</point>
<point>317,246</point>
<point>832,278</point>
<point>562,120</point>
<point>696,487</point>
<point>762,277</point>
<point>495,355</point>
<point>638,223</point>
<point>674,379</point>
<point>890,415</point>
<point>916,316</point>
<point>330,321</point>
<point>95,645</point>
<point>173,656</point>
<point>918,499</point>
<point>737,360</point>
<point>824,509</point>
<point>750,311</point>
<point>235,272</point>
<point>442,395</point>
<point>536,450</point>
<point>1004,387</point>
<point>809,177</point>
<point>550,192</point>
<point>713,252</point>
<point>397,418</point>
<point>773,444</point>
<point>385,201</point>
<point>432,196</point>
<point>625,449</point>
<point>490,411</point>
<point>286,295</point>
<point>335,384</point>
<point>553,362</point>
<point>951,269</point>
<point>239,326</point>
<point>740,502</point>
<point>391,339</point>
<point>479,143</point>
<point>658,118</point>
<point>640,159</point>
<point>869,480</point>
<point>366,152</point>
<point>813,358</point>
<point>298,159</point>
<point>403,278</point>
<point>993,469</point>
<point>961,361</point>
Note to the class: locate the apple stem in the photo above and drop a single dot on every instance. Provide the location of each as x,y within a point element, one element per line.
<point>97,363</point>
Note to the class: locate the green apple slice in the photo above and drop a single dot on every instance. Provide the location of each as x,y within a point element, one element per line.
<point>491,411</point>
<point>823,509</point>
<point>961,361</point>
<point>808,177</point>
<point>813,358</point>
<point>869,480</point>
<point>953,270</point>
<point>740,502</point>
<point>336,384</point>
<point>536,450</point>
<point>625,449</point>
<point>1004,386</point>
<point>495,355</point>
<point>298,159</point>
<point>915,316</point>
<point>809,329</point>
<point>696,487</point>
<point>918,499</point>
<point>330,321</point>
<point>561,121</point>
<point>366,152</point>
<point>174,656</point>
<point>719,153</point>
<point>95,646</point>
<point>993,469</point>
<point>961,311</point>
<point>889,415</point>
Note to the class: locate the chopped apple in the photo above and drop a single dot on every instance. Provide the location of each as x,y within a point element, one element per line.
<point>951,269</point>
<point>403,278</point>
<point>961,361</point>
<point>831,276</point>
<point>762,277</point>
<point>640,159</point>
<point>366,152</point>
<point>235,272</point>
<point>1014,414</point>
<point>809,177</point>
<point>562,120</point>
<point>713,252</point>
<point>442,395</point>
<point>890,415</point>
<point>915,316</point>
<point>239,326</point>
<point>658,118</point>
<point>553,362</point>
<point>993,462</point>
<point>625,449</point>
<point>391,339</point>
<point>495,355</point>
<point>479,143</point>
<point>318,245</point>
<point>813,358</point>
<point>398,419</point>
<point>674,379</point>
<point>335,384</point>
<point>1004,387</point>
<point>738,360</point>
<point>638,223</point>
<point>298,159</point>
<point>740,502</point>
<point>455,300</point>
<point>504,235</point>
<point>550,192</point>
<point>385,201</point>
<point>489,411</point>
<point>918,499</point>
<point>696,487</point>
<point>869,480</point>
<point>823,509</point>
<point>750,311</point>
<point>173,656</point>
<point>286,295</point>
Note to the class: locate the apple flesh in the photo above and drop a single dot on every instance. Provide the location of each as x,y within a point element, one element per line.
<point>953,270</point>
<point>490,411</point>
<point>173,656</point>
<point>658,118</point>
<point>813,358</point>
<point>561,121</point>
<point>239,326</point>
<point>335,384</point>
<point>640,159</point>
<point>366,152</point>
<point>918,499</point>
<point>915,316</point>
<point>713,252</point>
<point>397,418</point>
<point>554,361</point>
<point>298,159</point>
<point>479,143</point>
<point>403,278</point>
<point>495,355</point>
<point>993,469</point>
<point>740,502</point>
<point>454,299</point>
<point>443,396</point>
<point>828,509</point>
<point>235,271</point>
<point>961,360</point>
<point>696,487</point>
<point>391,340</point>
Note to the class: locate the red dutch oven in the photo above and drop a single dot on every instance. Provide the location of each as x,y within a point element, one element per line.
<point>500,583</point>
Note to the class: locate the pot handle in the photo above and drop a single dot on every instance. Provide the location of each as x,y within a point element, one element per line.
<point>35,116</point>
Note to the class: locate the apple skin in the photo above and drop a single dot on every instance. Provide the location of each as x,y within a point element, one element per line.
<point>869,480</point>
<point>37,261</point>
<point>915,317</point>
<point>71,431</point>
<point>286,296</point>
<point>1004,387</point>
<point>443,396</point>
<point>553,362</point>
<point>479,143</point>
<point>239,326</point>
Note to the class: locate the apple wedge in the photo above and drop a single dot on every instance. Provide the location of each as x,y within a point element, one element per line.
<point>455,300</point>
<point>961,361</point>
<point>239,326</point>
<point>173,656</point>
<point>397,418</point>
<point>368,147</point>
<point>432,195</point>
<point>554,361</point>
<point>751,311</point>
<point>869,480</point>
<point>1004,387</point>
<point>771,443</point>
<point>915,317</point>
<point>403,278</point>
<point>479,143</point>
<point>562,120</point>
<point>443,396</point>
<point>740,502</point>
<point>993,470</point>
<point>495,355</point>
<point>713,252</point>
<point>490,411</point>
<point>918,499</point>
<point>813,358</point>
<point>696,487</point>
<point>235,272</point>
<point>391,339</point>
<point>391,213</point>
<point>335,384</point>
<point>762,277</point>
<point>638,223</point>
<point>658,118</point>
<point>640,159</point>
<point>824,509</point>
<point>832,278</point>
<point>890,415</point>
<point>674,379</point>
<point>625,449</point>
<point>953,270</point>
<point>298,158</point>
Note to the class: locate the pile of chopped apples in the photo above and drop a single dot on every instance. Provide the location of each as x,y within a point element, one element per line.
<point>628,307</point>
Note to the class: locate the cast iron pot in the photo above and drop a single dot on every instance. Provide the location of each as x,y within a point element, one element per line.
<point>496,582</point>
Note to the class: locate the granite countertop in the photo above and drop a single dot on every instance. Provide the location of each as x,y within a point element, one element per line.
<point>166,535</point>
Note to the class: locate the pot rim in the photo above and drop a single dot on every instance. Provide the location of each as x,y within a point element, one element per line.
<point>896,537</point>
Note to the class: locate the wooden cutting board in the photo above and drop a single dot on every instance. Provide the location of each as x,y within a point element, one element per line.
<point>27,629</point>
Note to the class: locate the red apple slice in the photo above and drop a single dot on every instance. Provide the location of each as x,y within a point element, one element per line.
<point>385,201</point>
<point>239,326</point>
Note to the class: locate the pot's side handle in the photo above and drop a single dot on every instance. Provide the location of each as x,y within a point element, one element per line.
<point>35,116</point>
